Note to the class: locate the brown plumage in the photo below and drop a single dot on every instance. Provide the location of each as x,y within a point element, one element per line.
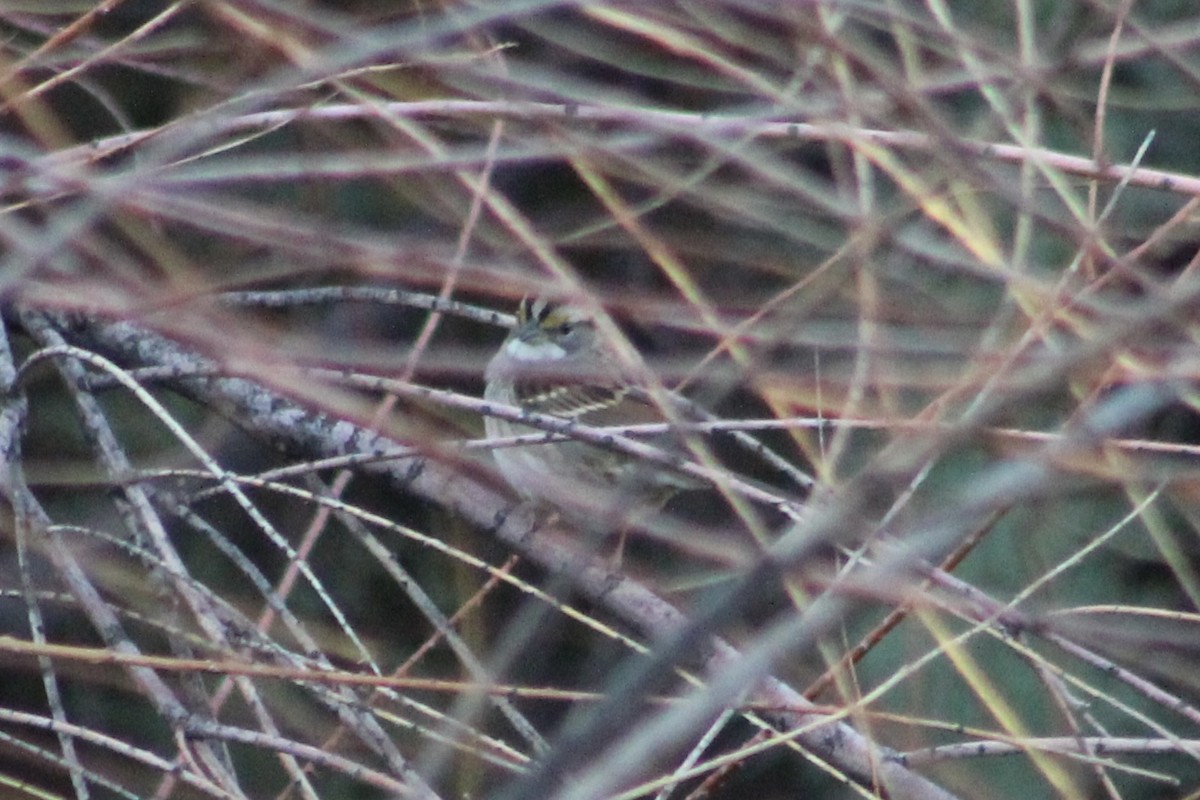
<point>554,362</point>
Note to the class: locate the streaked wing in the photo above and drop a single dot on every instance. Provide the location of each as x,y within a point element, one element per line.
<point>575,401</point>
<point>602,406</point>
<point>593,404</point>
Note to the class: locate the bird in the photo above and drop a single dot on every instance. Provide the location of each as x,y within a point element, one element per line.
<point>554,361</point>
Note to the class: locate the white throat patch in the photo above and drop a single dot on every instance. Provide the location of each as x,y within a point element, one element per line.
<point>546,351</point>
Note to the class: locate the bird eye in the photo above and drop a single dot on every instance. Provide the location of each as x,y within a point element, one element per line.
<point>565,328</point>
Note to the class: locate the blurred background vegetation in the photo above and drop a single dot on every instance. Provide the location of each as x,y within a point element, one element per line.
<point>910,235</point>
